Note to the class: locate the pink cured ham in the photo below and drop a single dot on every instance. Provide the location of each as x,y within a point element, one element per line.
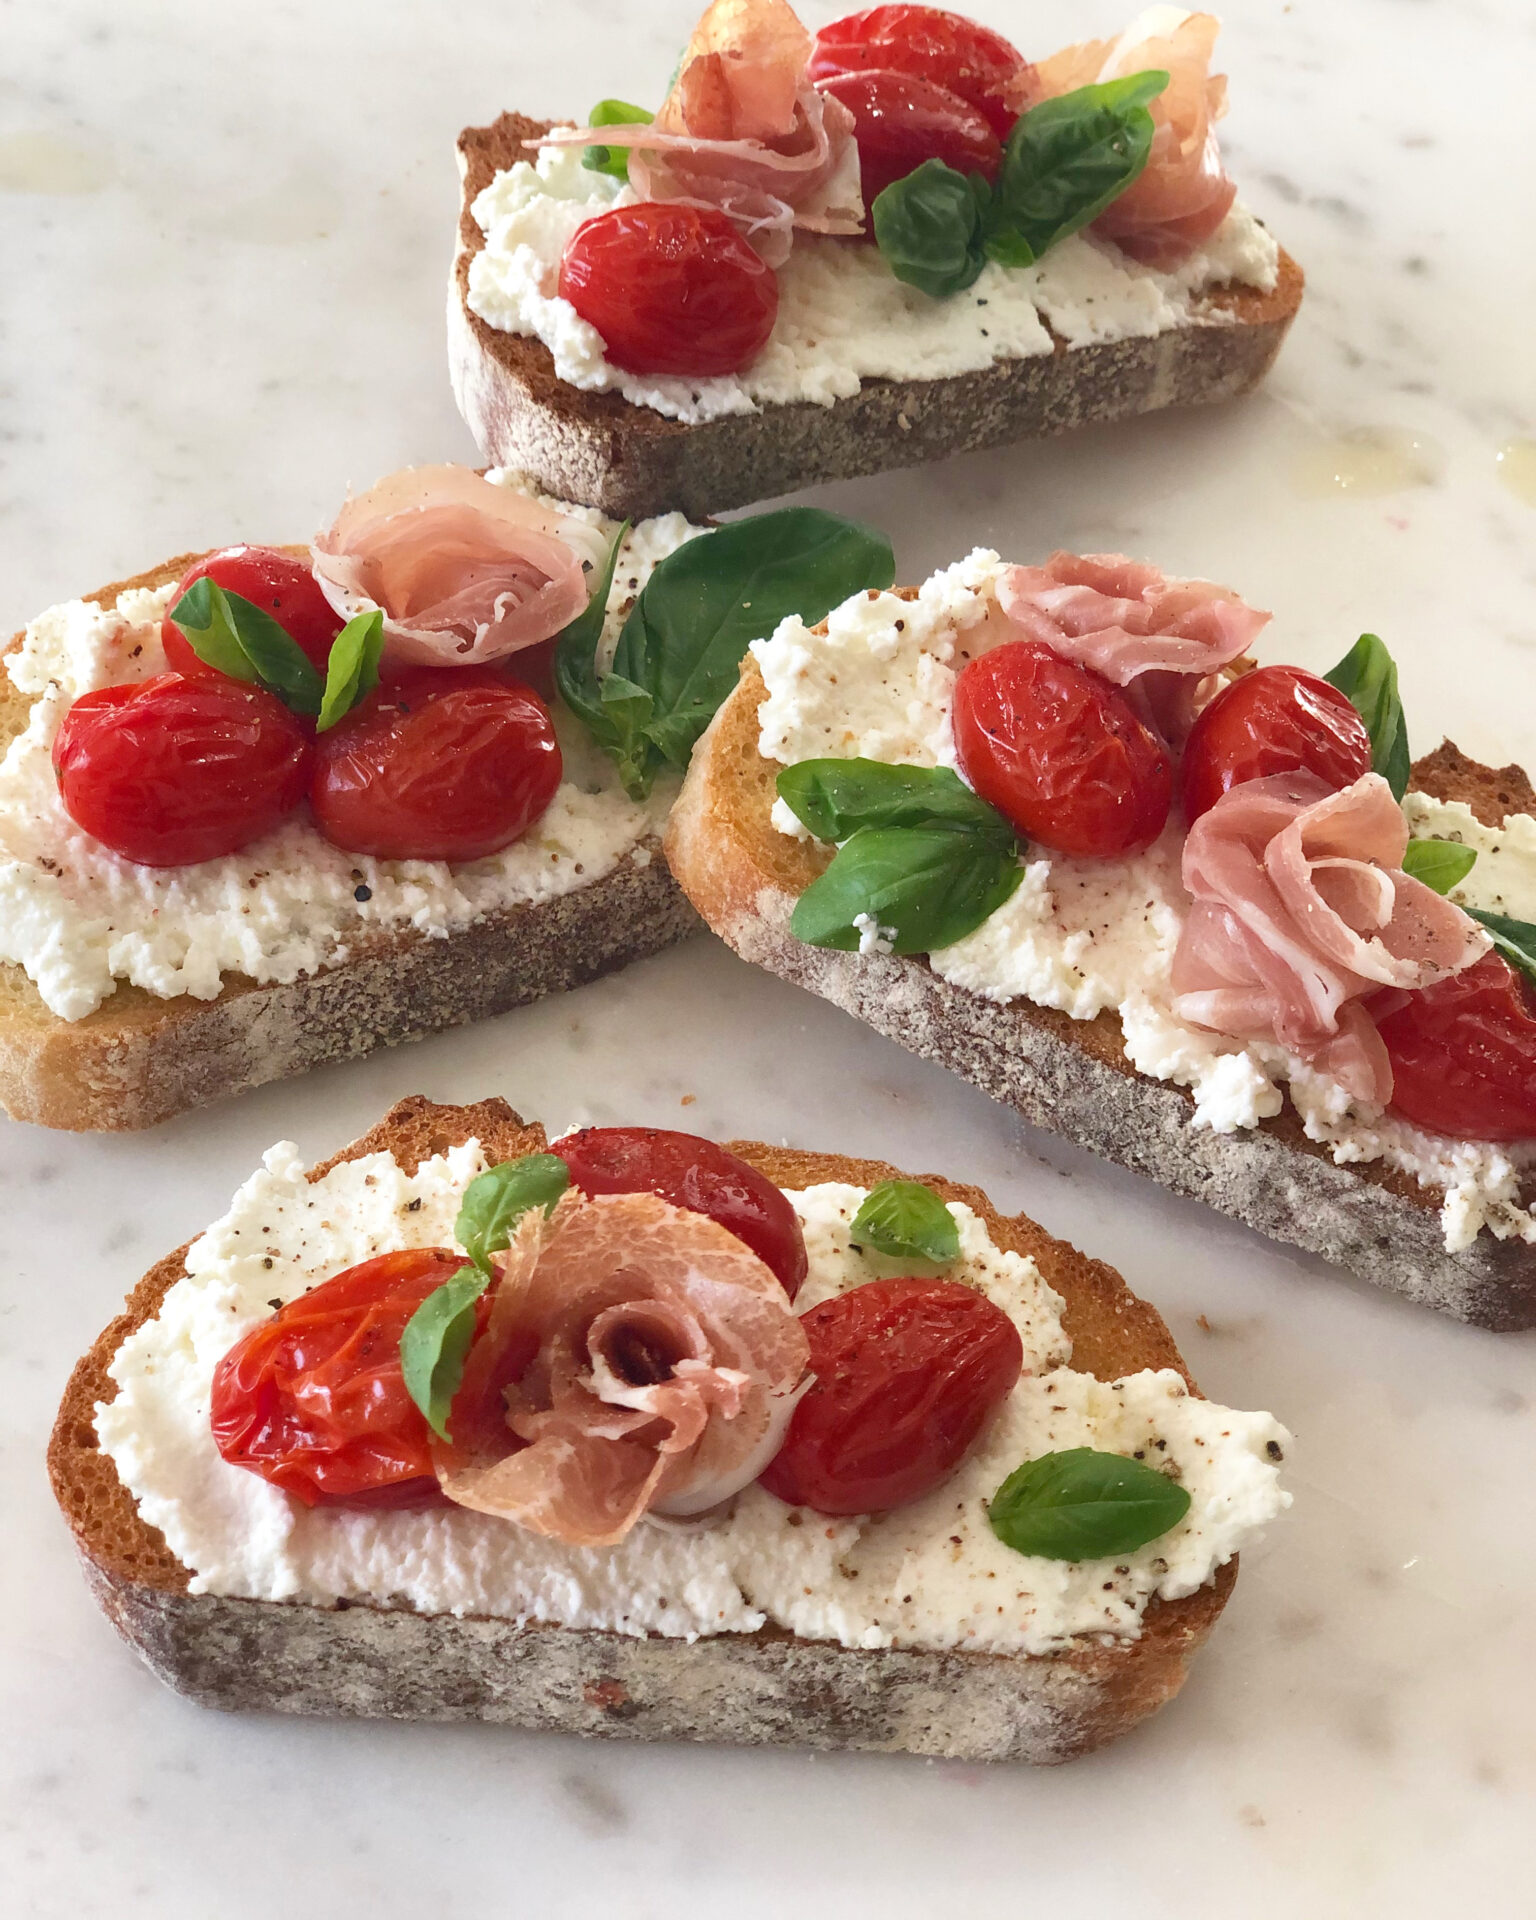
<point>1301,909</point>
<point>646,1359</point>
<point>1158,638</point>
<point>1183,194</point>
<point>463,571</point>
<point>745,132</point>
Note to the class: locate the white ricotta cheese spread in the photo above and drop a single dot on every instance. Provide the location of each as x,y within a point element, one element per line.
<point>1086,936</point>
<point>78,918</point>
<point>843,315</point>
<point>932,1574</point>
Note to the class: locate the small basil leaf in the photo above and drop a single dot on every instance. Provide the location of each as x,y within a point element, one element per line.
<point>497,1199</point>
<point>907,1221</point>
<point>835,798</point>
<point>206,618</point>
<point>1084,1505</point>
<point>1515,939</point>
<point>435,1340</point>
<point>613,113</point>
<point>928,227</point>
<point>242,640</point>
<point>576,650</point>
<point>1441,864</point>
<point>351,668</point>
<point>923,887</point>
<point>1368,676</point>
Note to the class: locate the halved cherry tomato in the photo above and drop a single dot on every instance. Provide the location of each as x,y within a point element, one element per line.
<point>1273,720</point>
<point>313,1399</point>
<point>1061,752</point>
<point>171,771</point>
<point>671,288</point>
<point>908,1372</point>
<point>693,1173</point>
<point>901,120</point>
<point>968,59</point>
<point>1463,1054</point>
<point>442,763</point>
<point>274,581</point>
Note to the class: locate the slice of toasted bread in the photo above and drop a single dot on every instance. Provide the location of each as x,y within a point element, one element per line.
<point>632,462</point>
<point>769,1687</point>
<point>1072,1076</point>
<point>138,1059</point>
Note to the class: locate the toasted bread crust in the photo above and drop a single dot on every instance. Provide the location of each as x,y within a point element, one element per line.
<point>633,462</point>
<point>1071,1076</point>
<point>767,1687</point>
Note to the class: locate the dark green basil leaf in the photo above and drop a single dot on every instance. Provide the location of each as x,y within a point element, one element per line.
<point>1441,864</point>
<point>1083,1505</point>
<point>238,638</point>
<point>351,668</point>
<point>497,1199</point>
<point>576,650</point>
<point>923,887</point>
<point>435,1340</point>
<point>907,1221</point>
<point>1515,939</point>
<point>929,227</point>
<point>836,798</point>
<point>613,113</point>
<point>1368,676</point>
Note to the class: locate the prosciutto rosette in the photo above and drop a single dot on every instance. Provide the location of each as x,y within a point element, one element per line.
<point>744,131</point>
<point>637,1358</point>
<point>1301,909</point>
<point>463,571</point>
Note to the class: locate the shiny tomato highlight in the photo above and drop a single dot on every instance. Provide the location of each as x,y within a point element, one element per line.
<point>900,120</point>
<point>693,1173</point>
<point>671,288</point>
<point>313,1399</point>
<point>270,579</point>
<point>908,1372</point>
<point>442,763</point>
<point>1273,720</point>
<point>955,53</point>
<point>172,771</point>
<point>1060,752</point>
<point>1463,1054</point>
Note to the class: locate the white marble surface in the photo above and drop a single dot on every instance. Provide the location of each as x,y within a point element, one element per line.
<point>224,232</point>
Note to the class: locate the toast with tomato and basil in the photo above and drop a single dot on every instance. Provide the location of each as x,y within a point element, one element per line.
<point>892,242</point>
<point>266,808</point>
<point>1053,827</point>
<point>629,1433</point>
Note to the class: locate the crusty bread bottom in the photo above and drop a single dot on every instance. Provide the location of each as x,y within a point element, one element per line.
<point>769,1687</point>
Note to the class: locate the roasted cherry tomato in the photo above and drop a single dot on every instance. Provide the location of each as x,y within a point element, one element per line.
<point>908,1372</point>
<point>313,1399</point>
<point>443,763</point>
<point>172,771</point>
<point>274,581</point>
<point>1273,720</point>
<point>900,120</point>
<point>1061,752</point>
<point>696,1174</point>
<point>1463,1054</point>
<point>671,288</point>
<point>955,53</point>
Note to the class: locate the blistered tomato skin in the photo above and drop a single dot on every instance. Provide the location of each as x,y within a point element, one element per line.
<point>932,44</point>
<point>313,1399</point>
<point>908,1372</point>
<point>1060,752</point>
<point>693,1173</point>
<point>672,289</point>
<point>173,771</point>
<point>1463,1054</point>
<point>442,763</point>
<point>274,581</point>
<point>900,120</point>
<point>1273,720</point>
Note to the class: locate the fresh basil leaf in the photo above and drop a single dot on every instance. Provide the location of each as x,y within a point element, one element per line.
<point>576,650</point>
<point>1084,1505</point>
<point>1441,864</point>
<point>351,668</point>
<point>907,1221</point>
<point>836,798</point>
<point>497,1199</point>
<point>434,1341</point>
<point>1368,676</point>
<point>923,887</point>
<point>929,227</point>
<point>1515,939</point>
<point>613,113</point>
<point>238,638</point>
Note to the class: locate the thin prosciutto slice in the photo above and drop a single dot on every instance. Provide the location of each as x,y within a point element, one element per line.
<point>637,1358</point>
<point>744,131</point>
<point>1301,908</point>
<point>463,571</point>
<point>1156,637</point>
